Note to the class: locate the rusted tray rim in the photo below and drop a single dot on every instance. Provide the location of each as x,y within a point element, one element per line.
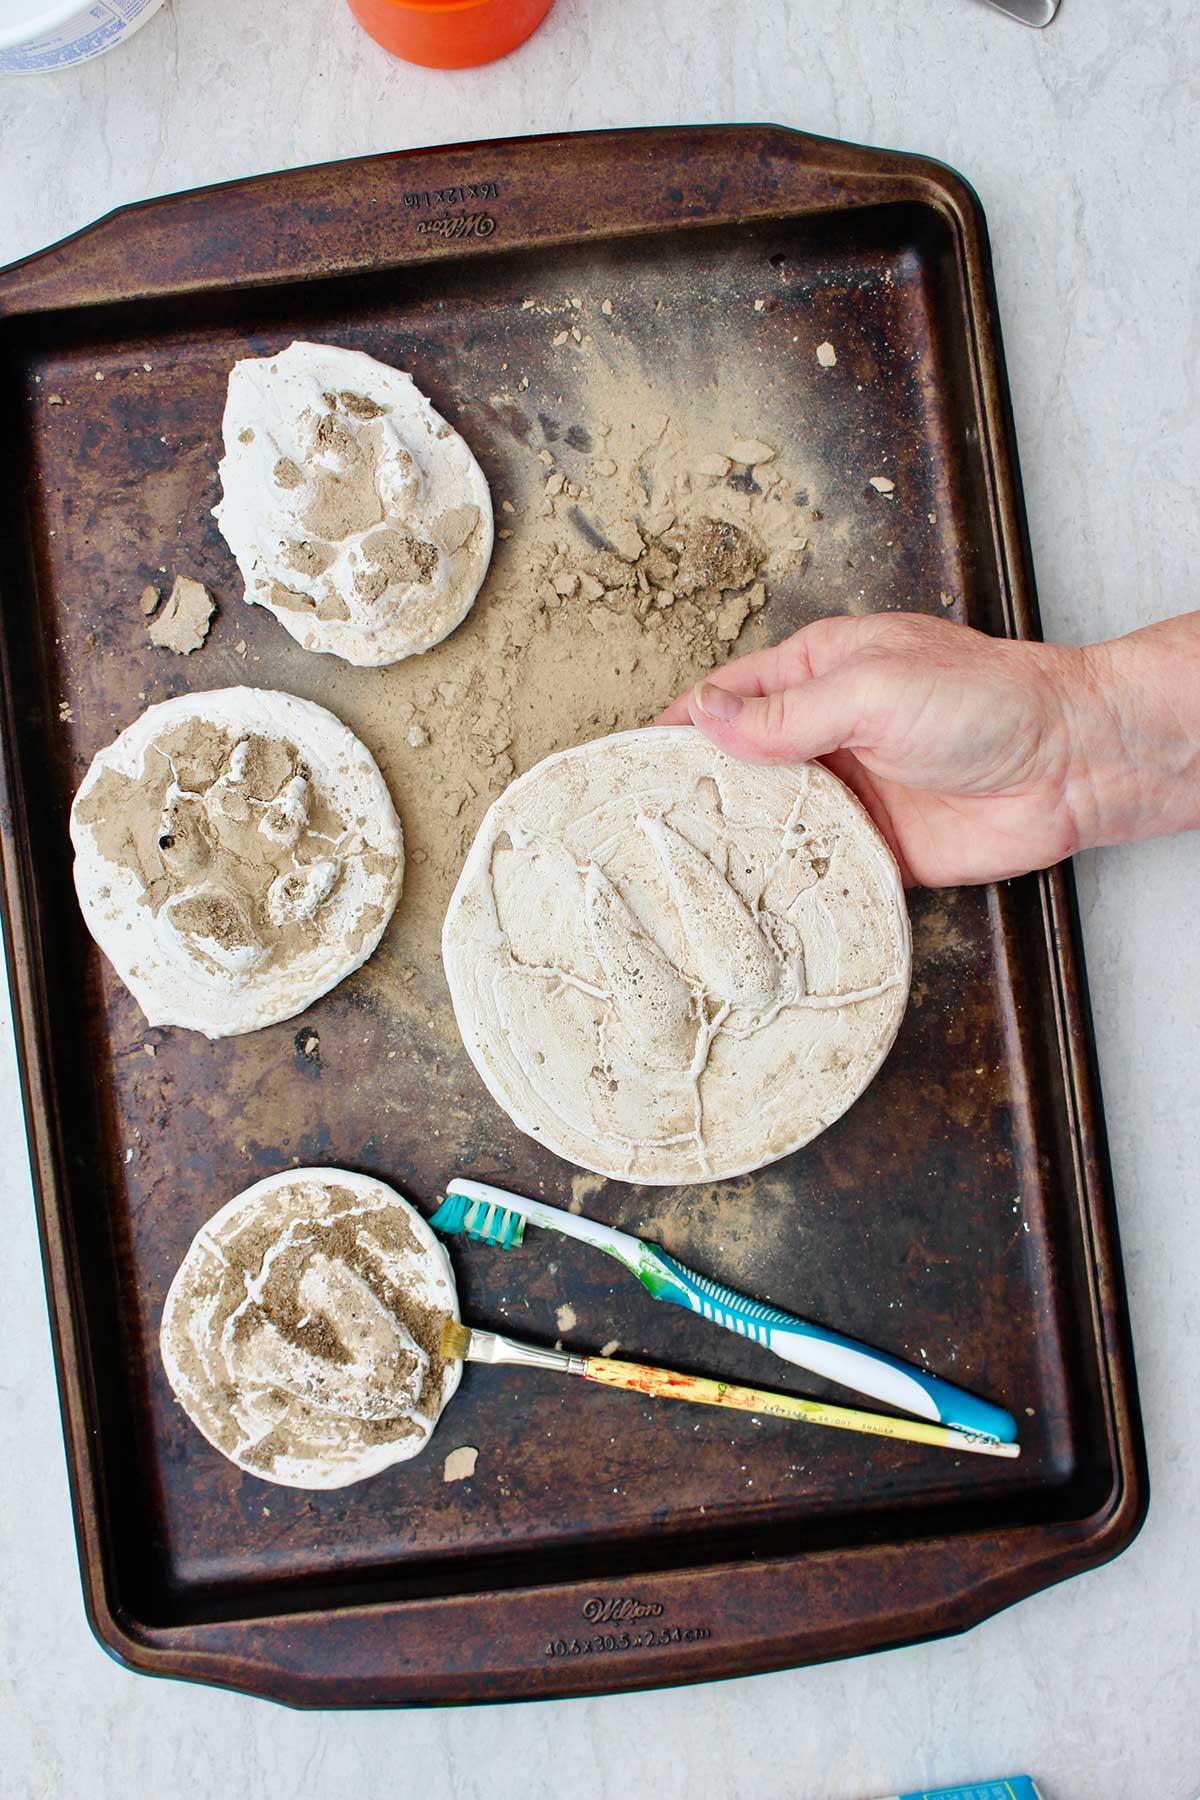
<point>897,175</point>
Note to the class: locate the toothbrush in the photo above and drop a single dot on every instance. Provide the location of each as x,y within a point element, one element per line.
<point>493,1215</point>
<point>463,1342</point>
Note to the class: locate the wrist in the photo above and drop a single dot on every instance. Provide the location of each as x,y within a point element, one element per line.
<point>1133,709</point>
<point>1098,783</point>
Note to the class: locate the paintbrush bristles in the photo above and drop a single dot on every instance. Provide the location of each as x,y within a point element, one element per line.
<point>456,1341</point>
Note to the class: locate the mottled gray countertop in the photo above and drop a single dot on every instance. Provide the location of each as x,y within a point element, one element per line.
<point>1083,142</point>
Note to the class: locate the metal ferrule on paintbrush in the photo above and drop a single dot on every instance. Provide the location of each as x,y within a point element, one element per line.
<point>490,1347</point>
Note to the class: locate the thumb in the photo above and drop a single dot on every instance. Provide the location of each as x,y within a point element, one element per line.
<point>793,724</point>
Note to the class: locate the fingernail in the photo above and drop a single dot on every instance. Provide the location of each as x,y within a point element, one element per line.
<point>718,702</point>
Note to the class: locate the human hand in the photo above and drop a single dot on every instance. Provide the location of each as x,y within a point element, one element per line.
<point>977,757</point>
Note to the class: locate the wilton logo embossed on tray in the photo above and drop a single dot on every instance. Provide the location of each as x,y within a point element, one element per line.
<point>459,225</point>
<point>605,1612</point>
<point>635,1633</point>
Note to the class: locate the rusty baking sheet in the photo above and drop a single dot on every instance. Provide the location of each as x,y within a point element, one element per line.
<point>960,1213</point>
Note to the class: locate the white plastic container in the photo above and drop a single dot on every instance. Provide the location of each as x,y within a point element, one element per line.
<point>37,36</point>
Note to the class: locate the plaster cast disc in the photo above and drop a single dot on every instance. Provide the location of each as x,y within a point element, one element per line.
<point>673,967</point>
<point>302,1332</point>
<point>357,515</point>
<point>236,855</point>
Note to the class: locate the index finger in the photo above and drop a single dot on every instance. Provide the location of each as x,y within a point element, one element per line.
<point>777,666</point>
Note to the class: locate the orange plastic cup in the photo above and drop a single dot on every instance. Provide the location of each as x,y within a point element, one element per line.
<point>450,34</point>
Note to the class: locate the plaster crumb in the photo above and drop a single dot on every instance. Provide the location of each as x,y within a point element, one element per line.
<point>714,465</point>
<point>566,1317</point>
<point>240,647</point>
<point>750,452</point>
<point>66,713</point>
<point>759,305</point>
<point>575,301</point>
<point>149,368</point>
<point>461,1464</point>
<point>507,506</point>
<point>528,305</point>
<point>946,599</point>
<point>626,540</point>
<point>731,616</point>
<point>150,1049</point>
<point>826,355</point>
<point>183,622</point>
<point>611,1348</point>
<point>560,337</point>
<point>99,376</point>
<point>417,736</point>
<point>55,400</point>
<point>606,308</point>
<point>149,598</point>
<point>883,484</point>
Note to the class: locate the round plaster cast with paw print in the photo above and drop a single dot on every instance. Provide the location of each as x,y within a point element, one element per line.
<point>237,854</point>
<point>357,515</point>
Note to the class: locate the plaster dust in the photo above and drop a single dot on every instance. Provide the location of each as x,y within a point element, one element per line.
<point>633,554</point>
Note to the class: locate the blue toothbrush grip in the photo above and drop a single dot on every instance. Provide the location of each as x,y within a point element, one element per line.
<point>874,1372</point>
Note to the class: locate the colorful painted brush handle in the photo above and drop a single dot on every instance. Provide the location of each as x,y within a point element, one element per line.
<point>669,1384</point>
<point>841,1359</point>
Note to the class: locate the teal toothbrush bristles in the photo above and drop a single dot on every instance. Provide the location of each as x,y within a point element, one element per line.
<point>492,1224</point>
